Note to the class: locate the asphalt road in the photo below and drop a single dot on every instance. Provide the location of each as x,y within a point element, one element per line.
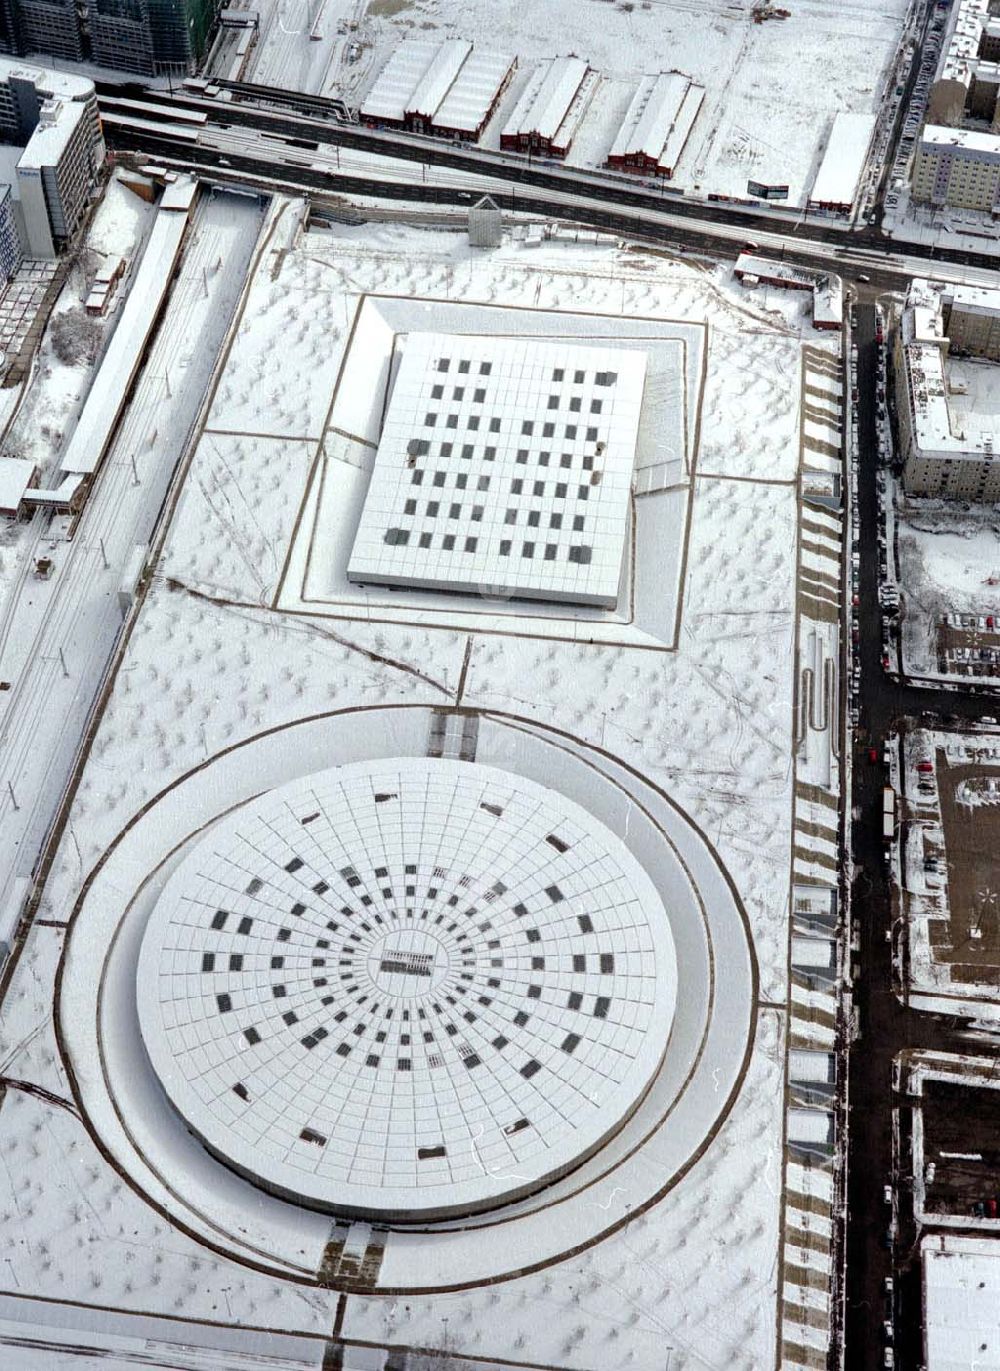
<point>886,1025</point>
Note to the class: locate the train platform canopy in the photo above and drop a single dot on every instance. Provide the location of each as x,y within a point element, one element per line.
<point>545,109</point>
<point>658,123</point>
<point>16,475</point>
<point>446,86</point>
<point>836,183</point>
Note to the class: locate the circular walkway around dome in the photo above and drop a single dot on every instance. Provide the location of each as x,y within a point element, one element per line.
<point>407,989</point>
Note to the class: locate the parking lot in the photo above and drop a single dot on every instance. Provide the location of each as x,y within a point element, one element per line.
<point>969,939</point>
<point>969,645</point>
<point>961,1148</point>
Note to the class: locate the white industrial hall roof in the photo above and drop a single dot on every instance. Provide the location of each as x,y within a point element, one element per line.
<point>396,84</point>
<point>546,99</point>
<point>504,467</point>
<point>439,77</point>
<point>844,160</point>
<point>475,89</point>
<point>448,83</point>
<point>659,119</point>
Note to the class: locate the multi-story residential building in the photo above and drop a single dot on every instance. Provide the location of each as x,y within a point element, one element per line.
<point>966,81</point>
<point>53,115</point>
<point>143,36</point>
<point>48,26</point>
<point>971,317</point>
<point>10,239</point>
<point>121,35</point>
<point>958,167</point>
<point>940,456</point>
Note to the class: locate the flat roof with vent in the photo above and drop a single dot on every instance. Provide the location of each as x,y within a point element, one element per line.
<point>504,469</point>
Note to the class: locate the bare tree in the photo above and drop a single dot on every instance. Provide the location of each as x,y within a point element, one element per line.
<point>76,337</point>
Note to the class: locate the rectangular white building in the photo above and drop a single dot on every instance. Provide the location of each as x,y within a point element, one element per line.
<point>504,468</point>
<point>836,184</point>
<point>470,103</point>
<point>396,84</point>
<point>938,458</point>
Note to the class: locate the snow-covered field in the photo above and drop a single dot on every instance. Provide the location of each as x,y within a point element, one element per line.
<point>772,88</point>
<point>215,659</point>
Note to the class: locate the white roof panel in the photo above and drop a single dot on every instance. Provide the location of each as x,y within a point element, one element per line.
<point>840,171</point>
<point>961,1300</point>
<point>15,473</point>
<point>439,77</point>
<point>396,84</point>
<point>469,101</point>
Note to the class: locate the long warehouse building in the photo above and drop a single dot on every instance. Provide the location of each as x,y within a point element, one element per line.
<point>657,125</point>
<point>446,88</point>
<point>836,186</point>
<point>551,106</point>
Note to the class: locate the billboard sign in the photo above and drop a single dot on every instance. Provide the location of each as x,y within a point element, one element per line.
<point>763,191</point>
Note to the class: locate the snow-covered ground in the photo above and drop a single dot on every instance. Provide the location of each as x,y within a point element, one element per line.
<point>215,659</point>
<point>949,564</point>
<point>772,88</point>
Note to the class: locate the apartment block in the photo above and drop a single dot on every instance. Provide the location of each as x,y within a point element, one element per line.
<point>11,252</point>
<point>943,455</point>
<point>149,37</point>
<point>53,116</point>
<point>959,167</point>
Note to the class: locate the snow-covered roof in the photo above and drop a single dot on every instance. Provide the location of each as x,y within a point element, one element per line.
<point>843,161</point>
<point>392,94</point>
<point>545,101</point>
<point>48,82</point>
<point>57,123</point>
<point>542,438</point>
<point>924,360</point>
<point>960,48</point>
<point>961,1281</point>
<point>15,475</point>
<point>827,288</point>
<point>659,118</point>
<point>983,300</point>
<point>982,146</point>
<point>439,77</point>
<point>97,418</point>
<point>299,1068</point>
<point>474,90</point>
